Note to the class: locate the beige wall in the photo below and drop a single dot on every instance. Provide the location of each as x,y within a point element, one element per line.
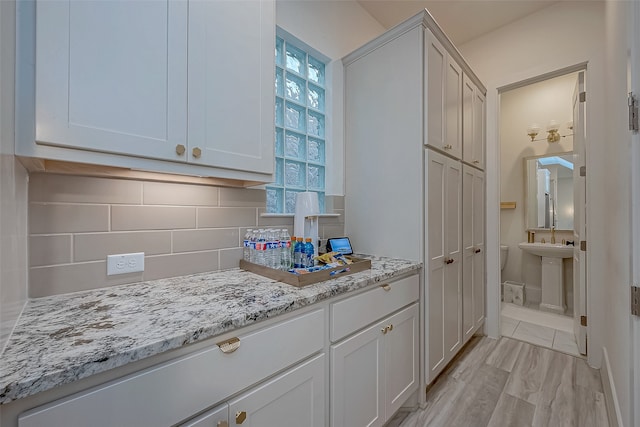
<point>75,222</point>
<point>535,103</point>
<point>13,189</point>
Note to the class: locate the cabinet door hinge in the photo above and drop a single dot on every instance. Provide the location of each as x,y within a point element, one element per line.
<point>583,245</point>
<point>583,171</point>
<point>635,300</point>
<point>583,96</point>
<point>632,102</point>
<point>583,320</point>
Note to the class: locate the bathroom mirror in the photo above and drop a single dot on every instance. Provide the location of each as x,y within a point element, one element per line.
<point>549,191</point>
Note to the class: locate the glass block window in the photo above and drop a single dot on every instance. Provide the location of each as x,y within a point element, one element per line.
<point>300,127</point>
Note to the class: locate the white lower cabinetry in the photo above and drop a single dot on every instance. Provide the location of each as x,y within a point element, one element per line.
<point>277,376</point>
<point>218,417</point>
<point>293,398</point>
<point>171,392</point>
<point>375,371</point>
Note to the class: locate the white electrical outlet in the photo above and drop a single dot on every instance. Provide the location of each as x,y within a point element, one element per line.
<point>125,263</point>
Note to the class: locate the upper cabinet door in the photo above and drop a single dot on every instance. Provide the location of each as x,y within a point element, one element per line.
<point>473,118</point>
<point>479,129</point>
<point>111,76</point>
<point>231,83</point>
<point>436,58</point>
<point>453,109</point>
<point>444,98</point>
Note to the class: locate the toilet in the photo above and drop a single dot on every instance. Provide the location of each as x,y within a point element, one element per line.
<point>504,253</point>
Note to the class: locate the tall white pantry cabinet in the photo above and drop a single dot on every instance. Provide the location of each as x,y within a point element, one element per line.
<point>415,187</point>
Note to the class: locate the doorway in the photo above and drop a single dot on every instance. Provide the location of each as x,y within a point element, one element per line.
<point>539,180</point>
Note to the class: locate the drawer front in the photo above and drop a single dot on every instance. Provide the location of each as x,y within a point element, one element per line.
<point>358,311</point>
<point>176,390</point>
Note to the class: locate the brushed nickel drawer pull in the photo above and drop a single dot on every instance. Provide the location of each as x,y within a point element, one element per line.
<point>180,149</point>
<point>230,345</point>
<point>385,329</point>
<point>386,287</point>
<point>391,327</point>
<point>197,152</point>
<point>240,417</point>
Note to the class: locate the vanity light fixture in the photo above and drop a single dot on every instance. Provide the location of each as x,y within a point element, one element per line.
<point>553,134</point>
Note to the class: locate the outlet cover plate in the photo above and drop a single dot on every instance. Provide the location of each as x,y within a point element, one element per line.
<point>125,263</point>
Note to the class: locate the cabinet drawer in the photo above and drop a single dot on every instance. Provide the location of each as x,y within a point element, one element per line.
<point>170,392</point>
<point>356,312</point>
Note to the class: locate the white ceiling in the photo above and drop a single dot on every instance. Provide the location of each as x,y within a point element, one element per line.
<point>461,20</point>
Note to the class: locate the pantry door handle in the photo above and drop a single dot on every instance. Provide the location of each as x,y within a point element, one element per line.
<point>449,261</point>
<point>478,250</point>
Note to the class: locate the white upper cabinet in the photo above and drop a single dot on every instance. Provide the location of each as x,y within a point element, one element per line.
<point>436,57</point>
<point>164,85</point>
<point>112,76</point>
<point>444,98</point>
<point>231,83</point>
<point>474,116</point>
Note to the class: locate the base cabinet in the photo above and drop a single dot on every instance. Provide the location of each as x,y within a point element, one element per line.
<point>375,371</point>
<point>293,398</point>
<point>218,417</point>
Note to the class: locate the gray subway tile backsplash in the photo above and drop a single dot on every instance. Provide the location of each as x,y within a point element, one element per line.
<point>75,222</point>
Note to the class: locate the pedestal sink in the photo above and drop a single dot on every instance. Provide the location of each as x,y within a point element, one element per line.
<point>552,283</point>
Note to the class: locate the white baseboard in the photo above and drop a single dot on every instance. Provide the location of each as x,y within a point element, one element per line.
<point>610,396</point>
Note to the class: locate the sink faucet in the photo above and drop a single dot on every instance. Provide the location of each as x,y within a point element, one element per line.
<point>553,235</point>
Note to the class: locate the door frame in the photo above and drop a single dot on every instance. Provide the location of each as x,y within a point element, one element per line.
<point>494,89</point>
<point>634,82</point>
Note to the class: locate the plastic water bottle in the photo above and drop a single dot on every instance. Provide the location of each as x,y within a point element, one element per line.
<point>298,254</point>
<point>308,253</point>
<point>246,248</point>
<point>252,246</point>
<point>273,252</point>
<point>285,250</point>
<point>261,248</point>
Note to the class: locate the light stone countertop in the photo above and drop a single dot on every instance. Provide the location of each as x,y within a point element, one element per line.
<point>64,338</point>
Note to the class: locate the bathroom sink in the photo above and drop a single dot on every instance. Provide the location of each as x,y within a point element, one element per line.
<point>547,249</point>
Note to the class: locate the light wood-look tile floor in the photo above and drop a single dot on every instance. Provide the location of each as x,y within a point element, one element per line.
<point>505,382</point>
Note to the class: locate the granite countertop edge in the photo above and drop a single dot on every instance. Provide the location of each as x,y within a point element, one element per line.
<point>85,333</point>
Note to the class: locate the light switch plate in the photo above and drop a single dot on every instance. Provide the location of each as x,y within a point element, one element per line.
<point>125,263</point>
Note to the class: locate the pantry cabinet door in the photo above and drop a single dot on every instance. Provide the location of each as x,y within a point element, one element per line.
<point>443,208</point>
<point>479,260</point>
<point>111,76</point>
<point>231,84</point>
<point>452,298</point>
<point>468,317</point>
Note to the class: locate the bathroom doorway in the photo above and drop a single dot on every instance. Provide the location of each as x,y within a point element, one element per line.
<point>542,198</point>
